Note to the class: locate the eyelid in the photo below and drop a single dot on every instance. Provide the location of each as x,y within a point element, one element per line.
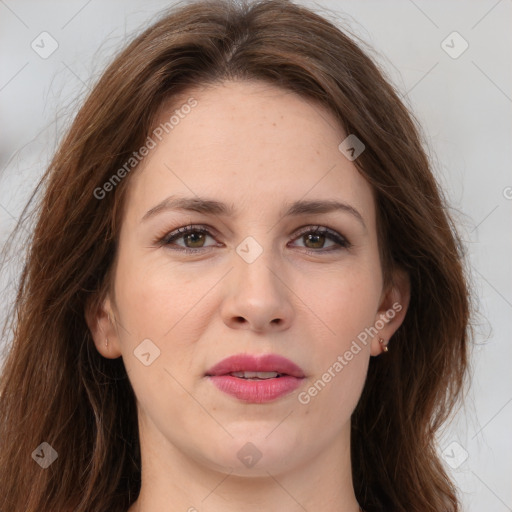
<point>184,230</point>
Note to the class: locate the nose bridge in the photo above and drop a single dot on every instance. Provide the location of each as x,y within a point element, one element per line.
<point>258,295</point>
<point>256,265</point>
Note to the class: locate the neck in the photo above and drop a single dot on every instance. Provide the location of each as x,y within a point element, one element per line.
<point>172,480</point>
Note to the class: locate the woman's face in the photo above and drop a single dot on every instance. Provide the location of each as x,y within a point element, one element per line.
<point>257,281</point>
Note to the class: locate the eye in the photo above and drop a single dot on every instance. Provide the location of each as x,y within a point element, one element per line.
<point>194,238</point>
<point>315,238</point>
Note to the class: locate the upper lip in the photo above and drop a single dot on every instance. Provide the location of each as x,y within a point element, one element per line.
<point>251,363</point>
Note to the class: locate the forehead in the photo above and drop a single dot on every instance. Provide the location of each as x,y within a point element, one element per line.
<point>248,144</point>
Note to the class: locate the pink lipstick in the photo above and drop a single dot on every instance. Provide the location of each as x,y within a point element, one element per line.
<point>256,379</point>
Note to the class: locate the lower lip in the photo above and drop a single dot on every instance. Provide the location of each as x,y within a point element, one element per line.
<point>256,391</point>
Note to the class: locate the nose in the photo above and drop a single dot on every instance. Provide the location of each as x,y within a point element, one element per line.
<point>257,296</point>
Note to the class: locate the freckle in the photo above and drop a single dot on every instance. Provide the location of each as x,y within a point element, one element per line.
<point>273,124</point>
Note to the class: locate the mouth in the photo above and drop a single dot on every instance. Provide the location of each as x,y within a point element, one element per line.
<point>257,375</point>
<point>246,366</point>
<point>256,379</point>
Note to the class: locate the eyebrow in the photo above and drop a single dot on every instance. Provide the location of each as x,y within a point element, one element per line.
<point>213,207</point>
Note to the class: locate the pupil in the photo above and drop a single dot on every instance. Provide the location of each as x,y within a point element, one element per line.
<point>195,237</point>
<point>316,238</point>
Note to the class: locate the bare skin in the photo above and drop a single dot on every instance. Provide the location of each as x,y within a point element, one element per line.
<point>256,148</point>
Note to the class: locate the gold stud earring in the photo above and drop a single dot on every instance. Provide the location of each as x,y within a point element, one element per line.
<point>384,347</point>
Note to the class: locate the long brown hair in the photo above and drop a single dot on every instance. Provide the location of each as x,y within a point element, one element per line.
<point>55,386</point>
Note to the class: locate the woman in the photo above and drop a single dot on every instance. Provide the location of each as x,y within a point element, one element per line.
<point>243,291</point>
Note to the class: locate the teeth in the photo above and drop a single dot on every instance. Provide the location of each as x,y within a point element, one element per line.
<point>255,375</point>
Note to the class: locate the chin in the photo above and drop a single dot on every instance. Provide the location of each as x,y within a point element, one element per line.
<point>257,455</point>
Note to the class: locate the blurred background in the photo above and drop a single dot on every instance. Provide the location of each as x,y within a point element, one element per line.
<point>448,60</point>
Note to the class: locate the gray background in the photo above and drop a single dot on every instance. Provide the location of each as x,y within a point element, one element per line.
<point>464,105</point>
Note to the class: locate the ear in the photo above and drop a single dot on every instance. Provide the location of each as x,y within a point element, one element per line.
<point>392,309</point>
<point>102,324</point>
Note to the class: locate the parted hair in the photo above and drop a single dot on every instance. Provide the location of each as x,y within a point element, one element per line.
<point>55,387</point>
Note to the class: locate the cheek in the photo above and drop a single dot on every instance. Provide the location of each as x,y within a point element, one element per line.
<point>346,303</point>
<point>155,302</point>
<point>170,307</point>
<point>154,298</point>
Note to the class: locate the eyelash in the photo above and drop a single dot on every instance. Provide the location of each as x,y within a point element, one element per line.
<point>185,230</point>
